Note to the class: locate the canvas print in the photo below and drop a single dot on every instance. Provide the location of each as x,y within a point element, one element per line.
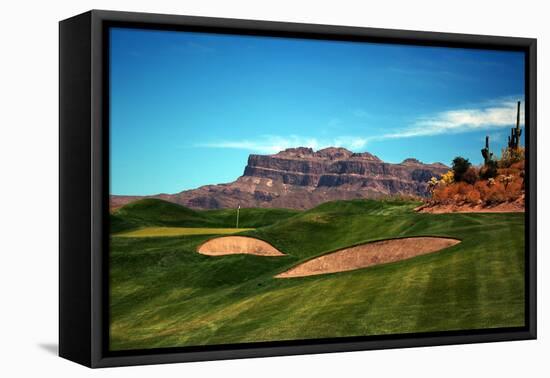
<point>274,189</point>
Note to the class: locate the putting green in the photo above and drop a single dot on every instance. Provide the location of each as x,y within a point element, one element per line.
<point>179,231</point>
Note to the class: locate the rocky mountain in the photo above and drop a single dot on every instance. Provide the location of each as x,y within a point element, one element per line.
<point>301,178</point>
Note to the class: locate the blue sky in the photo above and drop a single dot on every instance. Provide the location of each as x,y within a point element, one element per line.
<point>188,108</point>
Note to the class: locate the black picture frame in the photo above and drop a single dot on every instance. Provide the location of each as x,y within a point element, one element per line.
<point>84,187</point>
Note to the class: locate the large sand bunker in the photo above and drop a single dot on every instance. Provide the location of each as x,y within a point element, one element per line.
<point>369,254</point>
<point>230,245</point>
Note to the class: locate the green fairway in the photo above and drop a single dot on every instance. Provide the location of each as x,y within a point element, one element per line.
<point>164,294</point>
<point>178,231</point>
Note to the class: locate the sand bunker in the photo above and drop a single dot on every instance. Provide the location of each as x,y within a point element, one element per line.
<point>230,245</point>
<point>369,254</point>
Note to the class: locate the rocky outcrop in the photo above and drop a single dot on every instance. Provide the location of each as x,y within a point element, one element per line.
<point>302,178</point>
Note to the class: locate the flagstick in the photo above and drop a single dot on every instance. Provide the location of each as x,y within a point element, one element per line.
<point>238,208</point>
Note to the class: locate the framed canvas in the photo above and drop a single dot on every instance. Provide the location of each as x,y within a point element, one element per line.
<point>235,188</point>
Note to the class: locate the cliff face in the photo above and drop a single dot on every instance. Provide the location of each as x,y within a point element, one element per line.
<point>302,178</point>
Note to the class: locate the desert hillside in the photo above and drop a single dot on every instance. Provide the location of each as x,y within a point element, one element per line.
<point>498,185</point>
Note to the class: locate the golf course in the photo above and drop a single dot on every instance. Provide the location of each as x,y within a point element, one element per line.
<point>163,293</point>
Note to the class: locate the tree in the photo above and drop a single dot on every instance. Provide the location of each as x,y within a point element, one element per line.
<point>470,176</point>
<point>489,171</point>
<point>460,166</point>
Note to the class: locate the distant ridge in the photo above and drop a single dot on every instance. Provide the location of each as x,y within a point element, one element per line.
<point>301,178</point>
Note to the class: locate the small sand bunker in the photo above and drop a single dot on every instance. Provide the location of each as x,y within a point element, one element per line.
<point>369,254</point>
<point>231,245</point>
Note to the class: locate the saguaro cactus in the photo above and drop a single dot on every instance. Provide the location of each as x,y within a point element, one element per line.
<point>486,152</point>
<point>515,133</point>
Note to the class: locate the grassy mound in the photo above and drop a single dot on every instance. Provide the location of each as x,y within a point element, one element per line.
<point>151,212</point>
<point>165,294</point>
<point>159,212</point>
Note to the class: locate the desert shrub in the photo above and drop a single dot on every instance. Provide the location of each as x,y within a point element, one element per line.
<point>460,166</point>
<point>505,180</point>
<point>488,185</point>
<point>509,171</point>
<point>496,194</point>
<point>463,192</point>
<point>519,165</point>
<point>473,196</point>
<point>448,178</point>
<point>452,192</point>
<point>437,195</point>
<point>482,187</point>
<point>442,194</point>
<point>514,189</point>
<point>463,188</point>
<point>489,170</point>
<point>432,184</point>
<point>511,156</point>
<point>449,193</point>
<point>471,176</point>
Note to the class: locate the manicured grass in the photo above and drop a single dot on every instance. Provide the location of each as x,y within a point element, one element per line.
<point>178,231</point>
<point>250,217</point>
<point>164,294</point>
<point>152,212</point>
<point>155,212</point>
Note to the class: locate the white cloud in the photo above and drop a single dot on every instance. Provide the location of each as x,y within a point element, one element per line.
<point>497,115</point>
<point>491,115</point>
<point>271,144</point>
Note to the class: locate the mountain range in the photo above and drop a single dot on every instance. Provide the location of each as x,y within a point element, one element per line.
<point>301,178</point>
